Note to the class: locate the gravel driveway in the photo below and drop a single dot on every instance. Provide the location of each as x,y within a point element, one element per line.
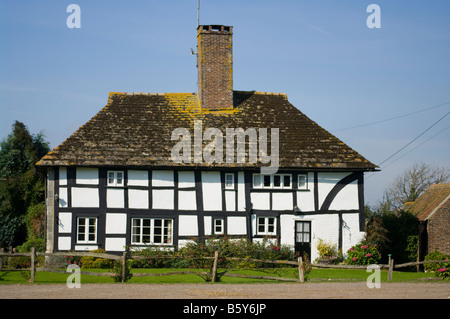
<point>347,290</point>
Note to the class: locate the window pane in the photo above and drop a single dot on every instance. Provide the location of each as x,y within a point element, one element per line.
<point>168,231</point>
<point>229,180</point>
<point>302,181</point>
<point>110,177</point>
<point>271,225</point>
<point>287,181</point>
<point>256,180</point>
<point>276,181</point>
<point>266,180</point>
<point>119,178</point>
<point>299,227</point>
<point>306,237</point>
<point>306,227</point>
<point>261,225</point>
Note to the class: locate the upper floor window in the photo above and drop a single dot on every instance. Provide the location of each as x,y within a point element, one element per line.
<point>302,181</point>
<point>115,178</point>
<point>272,181</point>
<point>229,181</point>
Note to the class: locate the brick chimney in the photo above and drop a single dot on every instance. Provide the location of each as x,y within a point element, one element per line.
<point>215,66</point>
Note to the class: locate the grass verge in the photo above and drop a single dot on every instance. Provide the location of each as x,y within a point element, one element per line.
<point>316,275</point>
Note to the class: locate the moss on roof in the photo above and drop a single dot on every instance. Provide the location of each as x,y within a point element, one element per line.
<point>135,130</point>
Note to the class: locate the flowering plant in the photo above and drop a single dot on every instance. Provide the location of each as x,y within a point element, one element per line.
<point>440,269</point>
<point>363,254</point>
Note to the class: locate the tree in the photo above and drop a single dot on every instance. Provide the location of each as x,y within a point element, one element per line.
<point>21,189</point>
<point>409,185</point>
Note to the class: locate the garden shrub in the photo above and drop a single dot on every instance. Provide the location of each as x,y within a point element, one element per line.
<point>363,254</point>
<point>90,262</point>
<point>439,269</point>
<point>326,250</point>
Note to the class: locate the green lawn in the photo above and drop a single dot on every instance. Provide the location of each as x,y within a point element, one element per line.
<point>316,275</point>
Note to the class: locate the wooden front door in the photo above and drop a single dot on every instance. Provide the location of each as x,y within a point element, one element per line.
<point>303,238</point>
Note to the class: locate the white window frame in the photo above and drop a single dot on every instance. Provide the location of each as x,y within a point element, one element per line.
<point>266,225</point>
<point>262,178</point>
<point>232,181</point>
<point>166,238</point>
<point>87,233</point>
<point>115,179</point>
<point>305,186</point>
<point>221,225</point>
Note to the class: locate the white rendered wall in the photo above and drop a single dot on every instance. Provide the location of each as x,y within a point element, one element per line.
<point>162,198</point>
<point>237,225</point>
<point>212,191</point>
<point>187,200</point>
<point>187,225</point>
<point>87,176</point>
<point>326,182</point>
<point>116,223</point>
<point>63,198</point>
<point>65,223</point>
<point>64,243</point>
<point>62,176</point>
<point>137,178</point>
<point>347,198</point>
<point>162,178</point>
<point>305,198</point>
<point>85,197</point>
<point>115,244</point>
<point>138,198</point>
<point>115,198</point>
<point>241,192</point>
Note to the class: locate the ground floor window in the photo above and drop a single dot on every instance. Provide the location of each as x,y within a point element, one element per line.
<point>151,231</point>
<point>218,226</point>
<point>87,230</point>
<point>266,226</point>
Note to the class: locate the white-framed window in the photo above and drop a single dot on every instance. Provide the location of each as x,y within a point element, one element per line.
<point>151,231</point>
<point>229,181</point>
<point>280,181</point>
<point>87,230</point>
<point>303,181</point>
<point>266,226</point>
<point>218,226</point>
<point>115,178</point>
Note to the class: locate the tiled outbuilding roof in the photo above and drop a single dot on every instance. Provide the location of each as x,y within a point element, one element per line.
<point>429,201</point>
<point>135,130</point>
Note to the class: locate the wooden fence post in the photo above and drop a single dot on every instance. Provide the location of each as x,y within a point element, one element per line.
<point>391,268</point>
<point>214,271</point>
<point>124,265</point>
<point>32,266</point>
<point>300,270</point>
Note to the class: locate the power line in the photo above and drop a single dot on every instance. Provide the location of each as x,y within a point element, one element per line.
<point>417,146</point>
<point>392,118</point>
<point>401,149</point>
<point>370,174</point>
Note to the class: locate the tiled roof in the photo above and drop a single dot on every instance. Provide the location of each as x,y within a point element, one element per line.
<point>135,130</point>
<point>429,201</point>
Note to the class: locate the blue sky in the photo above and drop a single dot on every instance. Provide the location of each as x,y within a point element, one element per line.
<point>320,53</point>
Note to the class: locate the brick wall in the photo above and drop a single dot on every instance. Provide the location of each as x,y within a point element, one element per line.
<point>215,66</point>
<point>439,229</point>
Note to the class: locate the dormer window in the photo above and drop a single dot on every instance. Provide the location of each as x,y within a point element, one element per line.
<point>115,178</point>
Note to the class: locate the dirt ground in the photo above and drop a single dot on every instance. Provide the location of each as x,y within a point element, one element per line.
<point>347,290</point>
